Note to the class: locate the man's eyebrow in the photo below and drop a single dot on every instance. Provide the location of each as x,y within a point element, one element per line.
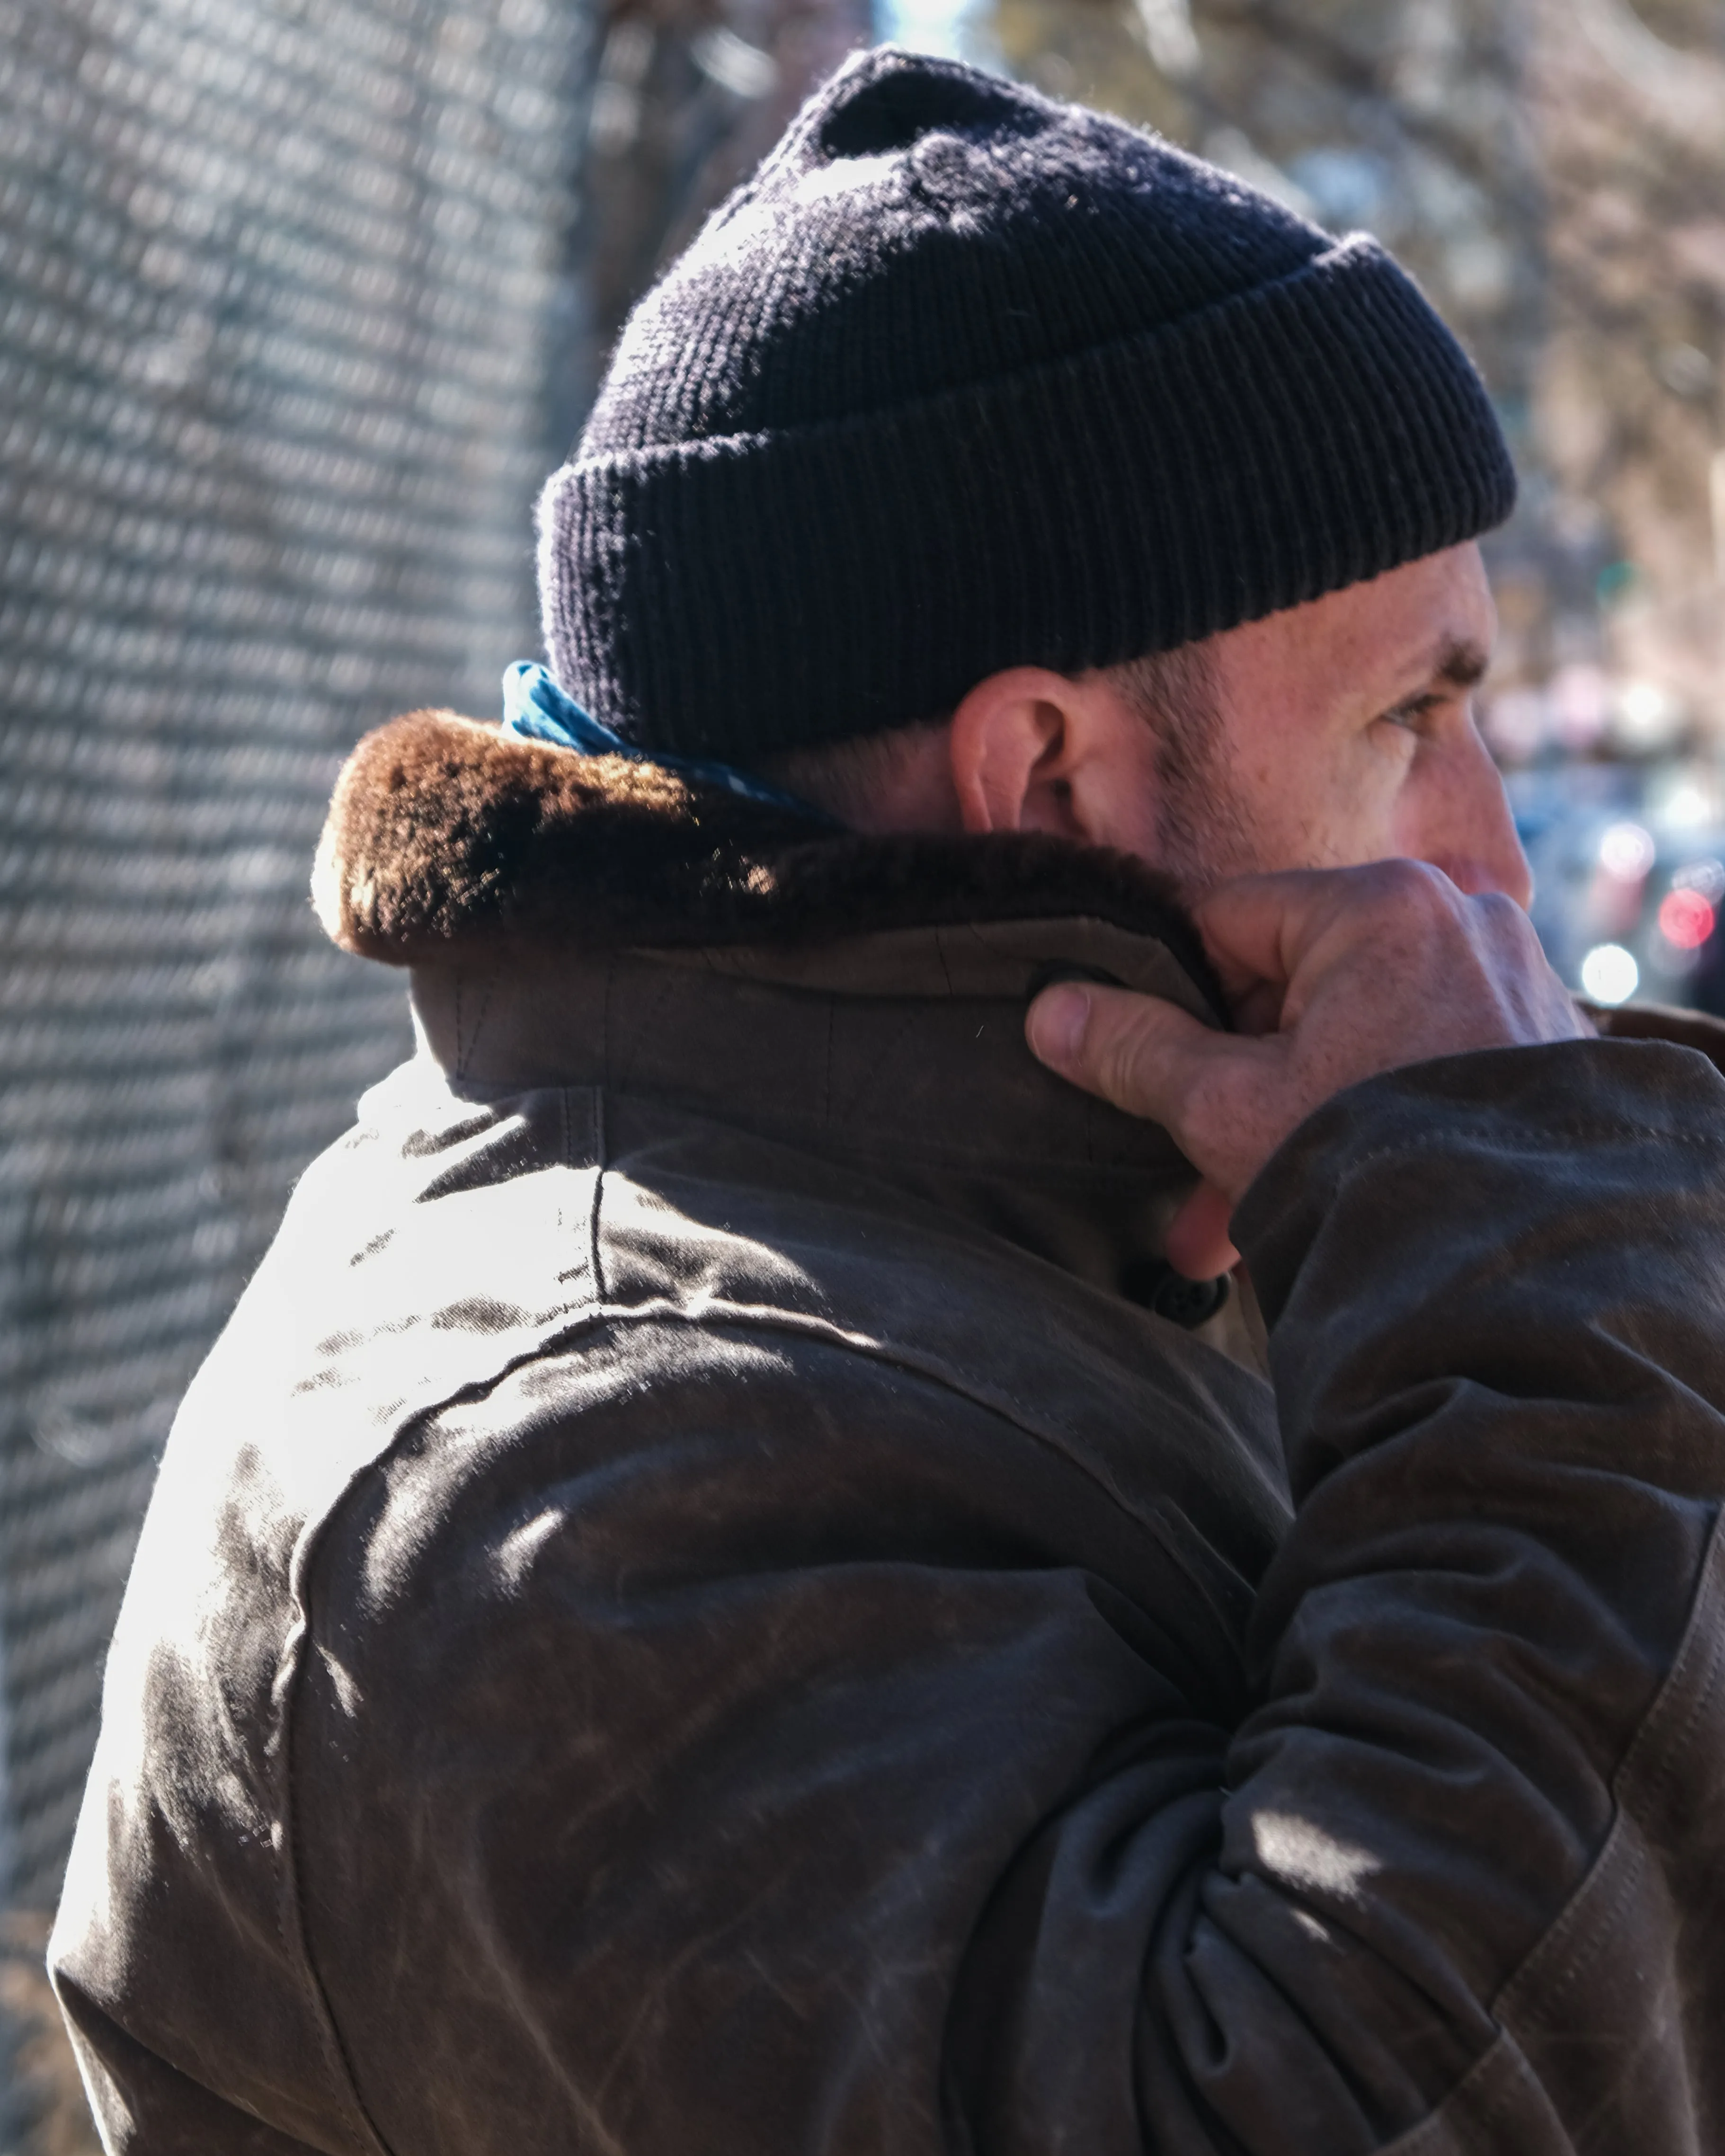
<point>1456,665</point>
<point>1462,666</point>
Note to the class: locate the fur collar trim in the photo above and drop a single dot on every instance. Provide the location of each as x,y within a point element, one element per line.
<point>443,832</point>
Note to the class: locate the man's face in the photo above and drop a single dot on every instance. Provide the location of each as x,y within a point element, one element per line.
<point>1343,731</point>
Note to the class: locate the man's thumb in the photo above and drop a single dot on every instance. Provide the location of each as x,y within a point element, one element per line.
<point>1133,1049</point>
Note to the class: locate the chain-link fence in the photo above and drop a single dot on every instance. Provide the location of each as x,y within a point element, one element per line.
<point>278,280</point>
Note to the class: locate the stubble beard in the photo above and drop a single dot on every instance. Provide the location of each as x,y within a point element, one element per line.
<point>1204,832</point>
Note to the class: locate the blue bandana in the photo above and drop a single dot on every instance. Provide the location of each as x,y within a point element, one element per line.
<point>535,709</point>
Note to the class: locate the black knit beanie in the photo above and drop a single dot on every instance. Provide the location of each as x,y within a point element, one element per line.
<point>963,379</point>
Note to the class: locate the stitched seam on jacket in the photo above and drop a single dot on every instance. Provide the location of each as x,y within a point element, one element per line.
<point>291,1663</point>
<point>1586,1133</point>
<point>597,1141</point>
<point>1324,1183</point>
<point>558,1335</point>
<point>1432,2132</point>
<point>1658,1770</point>
<point>1655,1737</point>
<point>466,1050</point>
<point>285,1696</point>
<point>932,1368</point>
<point>290,1870</point>
<point>1436,2131</point>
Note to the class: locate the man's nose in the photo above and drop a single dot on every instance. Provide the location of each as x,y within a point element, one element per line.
<point>1473,840</point>
<point>1502,866</point>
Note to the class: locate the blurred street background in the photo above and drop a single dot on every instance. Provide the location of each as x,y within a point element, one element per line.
<point>299,301</point>
<point>1553,171</point>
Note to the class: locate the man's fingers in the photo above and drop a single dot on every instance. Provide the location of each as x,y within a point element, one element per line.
<point>1155,1060</point>
<point>1254,925</point>
<point>1135,1051</point>
<point>1258,929</point>
<point>1199,1239</point>
<point>1335,976</point>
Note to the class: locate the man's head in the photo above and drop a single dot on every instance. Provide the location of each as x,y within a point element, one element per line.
<point>1334,733</point>
<point>987,463</point>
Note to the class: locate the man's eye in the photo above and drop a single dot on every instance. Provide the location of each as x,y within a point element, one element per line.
<point>1412,715</point>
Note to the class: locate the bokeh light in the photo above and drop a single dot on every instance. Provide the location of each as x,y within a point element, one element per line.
<point>1610,974</point>
<point>1686,920</point>
<point>1626,852</point>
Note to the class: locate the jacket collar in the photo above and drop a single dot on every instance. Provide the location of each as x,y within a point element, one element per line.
<point>597,921</point>
<point>600,920</point>
<point>445,835</point>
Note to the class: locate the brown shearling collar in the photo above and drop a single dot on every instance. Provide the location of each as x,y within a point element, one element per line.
<point>444,835</point>
<point>573,920</point>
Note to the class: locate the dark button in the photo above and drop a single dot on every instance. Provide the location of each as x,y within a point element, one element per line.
<point>1154,1285</point>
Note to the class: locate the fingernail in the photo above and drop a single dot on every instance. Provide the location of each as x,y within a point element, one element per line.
<point>1056,1023</point>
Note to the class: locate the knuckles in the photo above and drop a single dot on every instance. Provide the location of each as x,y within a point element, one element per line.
<point>1387,964</point>
<point>1416,905</point>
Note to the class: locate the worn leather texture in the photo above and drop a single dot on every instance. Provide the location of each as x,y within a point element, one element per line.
<point>690,1610</point>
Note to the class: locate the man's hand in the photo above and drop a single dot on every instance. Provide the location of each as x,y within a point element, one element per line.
<point>1334,975</point>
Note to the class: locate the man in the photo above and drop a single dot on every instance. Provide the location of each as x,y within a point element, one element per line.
<point>735,1583</point>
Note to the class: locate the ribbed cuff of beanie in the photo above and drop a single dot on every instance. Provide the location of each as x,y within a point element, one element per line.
<point>736,596</point>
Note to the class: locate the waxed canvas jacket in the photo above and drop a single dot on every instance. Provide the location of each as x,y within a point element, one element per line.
<point>712,1597</point>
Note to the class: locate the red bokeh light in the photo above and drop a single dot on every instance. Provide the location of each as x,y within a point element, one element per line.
<point>1686,919</point>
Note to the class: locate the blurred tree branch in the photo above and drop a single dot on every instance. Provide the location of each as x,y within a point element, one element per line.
<point>687,96</point>
<point>1553,171</point>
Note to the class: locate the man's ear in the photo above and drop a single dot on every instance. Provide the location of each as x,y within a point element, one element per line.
<point>1015,742</point>
<point>1035,751</point>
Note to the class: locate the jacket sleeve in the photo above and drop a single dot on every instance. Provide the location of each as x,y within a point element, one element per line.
<point>1469,1892</point>
<point>671,1793</point>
